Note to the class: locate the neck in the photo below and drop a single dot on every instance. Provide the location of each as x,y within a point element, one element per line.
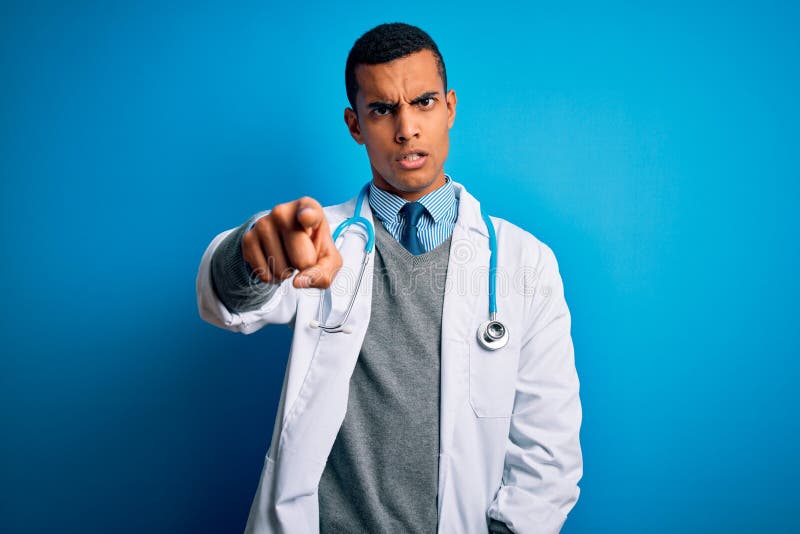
<point>409,195</point>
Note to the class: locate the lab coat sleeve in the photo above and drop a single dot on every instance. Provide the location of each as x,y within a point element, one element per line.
<point>247,304</point>
<point>543,462</point>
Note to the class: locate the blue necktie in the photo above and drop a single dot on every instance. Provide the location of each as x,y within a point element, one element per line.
<point>413,213</point>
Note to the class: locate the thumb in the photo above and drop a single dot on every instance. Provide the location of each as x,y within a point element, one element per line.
<point>322,274</point>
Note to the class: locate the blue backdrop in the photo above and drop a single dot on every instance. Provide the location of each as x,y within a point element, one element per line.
<point>655,150</point>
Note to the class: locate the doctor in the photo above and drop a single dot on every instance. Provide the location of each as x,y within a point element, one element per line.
<point>403,420</point>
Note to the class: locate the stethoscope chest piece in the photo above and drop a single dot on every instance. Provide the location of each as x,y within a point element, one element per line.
<point>492,335</point>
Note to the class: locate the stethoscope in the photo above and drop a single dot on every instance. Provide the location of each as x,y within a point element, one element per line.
<point>492,334</point>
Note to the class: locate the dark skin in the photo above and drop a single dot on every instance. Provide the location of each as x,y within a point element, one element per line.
<point>403,118</point>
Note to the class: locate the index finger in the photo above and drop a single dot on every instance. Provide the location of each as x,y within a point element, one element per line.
<point>308,213</point>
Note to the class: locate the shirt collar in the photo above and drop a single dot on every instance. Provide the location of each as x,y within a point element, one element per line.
<point>387,206</point>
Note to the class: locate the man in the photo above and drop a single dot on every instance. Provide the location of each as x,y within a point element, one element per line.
<point>405,419</point>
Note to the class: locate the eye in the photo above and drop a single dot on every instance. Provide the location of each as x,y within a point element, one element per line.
<point>382,111</point>
<point>426,103</point>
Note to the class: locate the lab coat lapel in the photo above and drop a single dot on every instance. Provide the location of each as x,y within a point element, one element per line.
<point>465,295</point>
<point>313,421</point>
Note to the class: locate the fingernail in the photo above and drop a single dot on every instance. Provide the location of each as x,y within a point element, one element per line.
<point>303,281</point>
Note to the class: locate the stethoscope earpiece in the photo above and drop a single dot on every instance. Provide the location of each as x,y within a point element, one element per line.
<point>345,329</point>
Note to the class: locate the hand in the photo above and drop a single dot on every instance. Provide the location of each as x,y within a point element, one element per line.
<point>294,235</point>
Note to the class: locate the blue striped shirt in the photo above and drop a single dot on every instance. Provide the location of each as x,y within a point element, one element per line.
<point>436,224</point>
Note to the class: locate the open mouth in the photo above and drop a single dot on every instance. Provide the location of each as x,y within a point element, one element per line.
<point>412,159</point>
<point>413,156</point>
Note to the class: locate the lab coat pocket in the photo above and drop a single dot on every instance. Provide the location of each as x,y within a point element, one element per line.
<point>492,380</point>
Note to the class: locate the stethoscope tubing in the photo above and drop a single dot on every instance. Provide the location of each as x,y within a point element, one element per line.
<point>491,334</point>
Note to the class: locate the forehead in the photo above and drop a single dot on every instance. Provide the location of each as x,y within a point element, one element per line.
<point>407,76</point>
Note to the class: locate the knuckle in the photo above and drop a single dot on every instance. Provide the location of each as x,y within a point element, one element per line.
<point>281,212</point>
<point>308,201</point>
<point>262,224</point>
<point>247,239</point>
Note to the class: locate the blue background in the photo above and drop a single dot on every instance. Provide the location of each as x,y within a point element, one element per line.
<point>655,149</point>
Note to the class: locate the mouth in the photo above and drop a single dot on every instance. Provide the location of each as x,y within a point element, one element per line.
<point>412,159</point>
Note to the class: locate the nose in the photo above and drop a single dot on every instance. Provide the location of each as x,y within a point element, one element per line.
<point>406,125</point>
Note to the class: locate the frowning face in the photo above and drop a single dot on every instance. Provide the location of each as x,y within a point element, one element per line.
<point>404,119</point>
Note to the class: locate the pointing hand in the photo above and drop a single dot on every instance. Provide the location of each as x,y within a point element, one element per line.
<point>293,236</point>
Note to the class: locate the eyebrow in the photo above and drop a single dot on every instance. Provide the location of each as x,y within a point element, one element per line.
<point>392,106</point>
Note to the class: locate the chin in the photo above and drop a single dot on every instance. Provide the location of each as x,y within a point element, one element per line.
<point>413,180</point>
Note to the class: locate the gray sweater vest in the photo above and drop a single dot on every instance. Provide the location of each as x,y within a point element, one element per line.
<point>382,473</point>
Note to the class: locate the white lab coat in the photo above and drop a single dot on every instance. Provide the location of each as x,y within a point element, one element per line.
<point>509,419</point>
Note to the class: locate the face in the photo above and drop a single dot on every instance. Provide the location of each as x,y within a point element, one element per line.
<point>404,119</point>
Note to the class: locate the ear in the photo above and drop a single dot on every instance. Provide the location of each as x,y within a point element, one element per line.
<point>351,120</point>
<point>451,100</point>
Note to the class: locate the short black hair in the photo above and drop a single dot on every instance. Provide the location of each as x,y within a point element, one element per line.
<point>385,43</point>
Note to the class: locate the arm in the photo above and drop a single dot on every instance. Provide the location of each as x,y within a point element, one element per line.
<point>228,296</point>
<point>232,278</point>
<point>543,458</point>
